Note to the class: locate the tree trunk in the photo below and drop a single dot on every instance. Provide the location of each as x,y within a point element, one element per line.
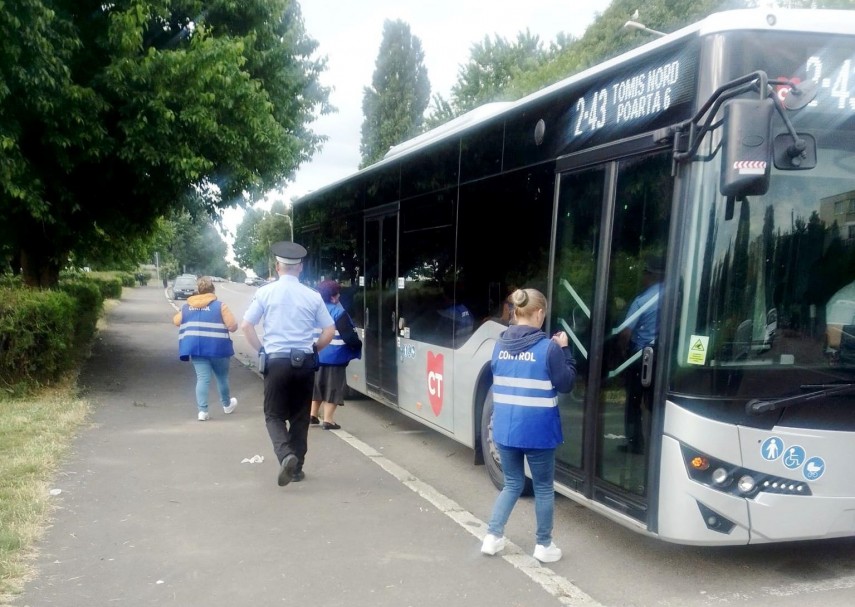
<point>38,268</point>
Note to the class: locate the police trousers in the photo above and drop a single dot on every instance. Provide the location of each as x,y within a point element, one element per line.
<point>287,403</point>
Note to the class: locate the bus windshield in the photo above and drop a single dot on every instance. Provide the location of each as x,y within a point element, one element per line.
<point>769,301</point>
<point>767,297</point>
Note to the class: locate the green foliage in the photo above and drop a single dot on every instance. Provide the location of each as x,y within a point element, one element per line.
<point>196,246</point>
<point>36,337</point>
<point>88,303</point>
<point>607,38</point>
<point>393,106</point>
<point>493,65</point>
<point>110,283</point>
<point>154,105</point>
<point>500,70</point>
<point>45,333</point>
<point>258,230</point>
<point>245,245</point>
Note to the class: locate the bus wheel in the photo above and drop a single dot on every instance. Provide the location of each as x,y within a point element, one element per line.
<point>488,447</point>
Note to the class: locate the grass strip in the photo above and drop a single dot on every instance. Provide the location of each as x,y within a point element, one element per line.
<point>35,436</point>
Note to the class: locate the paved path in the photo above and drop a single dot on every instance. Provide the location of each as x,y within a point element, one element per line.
<point>157,509</point>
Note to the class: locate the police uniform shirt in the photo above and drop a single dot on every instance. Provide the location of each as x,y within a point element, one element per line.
<point>643,317</point>
<point>291,311</point>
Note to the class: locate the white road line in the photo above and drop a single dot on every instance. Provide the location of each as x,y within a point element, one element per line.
<point>559,587</point>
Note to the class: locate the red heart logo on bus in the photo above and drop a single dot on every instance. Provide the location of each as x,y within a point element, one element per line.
<point>435,381</point>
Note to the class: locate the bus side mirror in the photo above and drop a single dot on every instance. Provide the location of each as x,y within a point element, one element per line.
<point>746,147</point>
<point>795,155</point>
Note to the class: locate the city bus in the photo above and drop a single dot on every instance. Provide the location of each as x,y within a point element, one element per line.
<point>716,163</point>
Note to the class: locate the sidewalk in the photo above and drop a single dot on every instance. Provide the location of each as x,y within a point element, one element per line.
<point>157,509</point>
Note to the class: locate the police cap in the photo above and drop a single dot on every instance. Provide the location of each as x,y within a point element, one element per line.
<point>287,252</point>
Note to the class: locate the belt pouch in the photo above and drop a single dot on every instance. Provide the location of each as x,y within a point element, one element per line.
<point>298,359</point>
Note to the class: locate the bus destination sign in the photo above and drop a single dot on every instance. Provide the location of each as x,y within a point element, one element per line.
<point>631,102</point>
<point>835,79</point>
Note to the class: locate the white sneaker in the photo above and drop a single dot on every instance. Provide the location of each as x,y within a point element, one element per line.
<point>547,554</point>
<point>203,416</point>
<point>492,544</point>
<point>231,407</point>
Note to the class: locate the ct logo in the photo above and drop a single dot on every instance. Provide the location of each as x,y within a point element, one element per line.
<point>434,380</point>
<point>782,90</point>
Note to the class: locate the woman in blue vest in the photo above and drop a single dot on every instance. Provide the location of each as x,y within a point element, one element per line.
<point>529,370</point>
<point>331,378</point>
<point>203,339</point>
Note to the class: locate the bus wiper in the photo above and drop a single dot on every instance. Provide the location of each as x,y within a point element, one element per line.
<point>756,406</point>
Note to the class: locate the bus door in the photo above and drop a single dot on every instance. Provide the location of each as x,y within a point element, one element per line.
<point>611,238</point>
<point>381,292</point>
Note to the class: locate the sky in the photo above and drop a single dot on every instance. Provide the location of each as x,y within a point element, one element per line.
<point>349,33</point>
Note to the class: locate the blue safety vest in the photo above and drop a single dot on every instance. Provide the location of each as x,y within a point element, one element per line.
<point>203,333</point>
<point>337,353</point>
<point>525,403</point>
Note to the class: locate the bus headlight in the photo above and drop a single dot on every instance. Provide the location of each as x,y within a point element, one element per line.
<point>720,476</point>
<point>735,480</point>
<point>746,484</point>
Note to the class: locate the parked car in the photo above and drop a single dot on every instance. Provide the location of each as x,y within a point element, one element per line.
<point>255,281</point>
<point>184,286</point>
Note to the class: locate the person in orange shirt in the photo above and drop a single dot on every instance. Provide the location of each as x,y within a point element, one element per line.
<point>203,338</point>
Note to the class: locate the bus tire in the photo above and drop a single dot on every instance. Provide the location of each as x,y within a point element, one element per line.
<point>488,448</point>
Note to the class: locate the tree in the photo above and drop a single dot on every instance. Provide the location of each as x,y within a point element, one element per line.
<point>606,37</point>
<point>197,247</point>
<point>393,106</point>
<point>256,232</point>
<point>492,66</point>
<point>115,114</point>
<point>245,245</point>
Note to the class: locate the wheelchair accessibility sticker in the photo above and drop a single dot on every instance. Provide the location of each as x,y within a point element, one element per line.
<point>793,457</point>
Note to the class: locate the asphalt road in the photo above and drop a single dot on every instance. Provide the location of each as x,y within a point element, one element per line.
<point>157,509</point>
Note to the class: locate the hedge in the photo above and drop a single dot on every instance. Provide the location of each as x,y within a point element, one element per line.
<point>43,333</point>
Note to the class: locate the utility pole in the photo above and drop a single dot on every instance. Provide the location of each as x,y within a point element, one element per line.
<point>290,223</point>
<point>635,25</point>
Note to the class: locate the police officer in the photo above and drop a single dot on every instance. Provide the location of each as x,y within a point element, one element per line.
<point>291,312</point>
<point>639,330</point>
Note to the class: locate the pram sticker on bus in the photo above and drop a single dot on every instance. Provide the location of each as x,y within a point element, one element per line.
<point>698,348</point>
<point>814,468</point>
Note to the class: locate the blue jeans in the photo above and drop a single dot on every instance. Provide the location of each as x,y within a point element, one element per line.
<point>204,366</point>
<point>542,465</point>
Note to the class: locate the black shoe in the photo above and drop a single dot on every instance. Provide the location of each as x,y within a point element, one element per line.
<point>287,469</point>
<point>314,420</point>
<point>331,426</point>
<point>298,476</point>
